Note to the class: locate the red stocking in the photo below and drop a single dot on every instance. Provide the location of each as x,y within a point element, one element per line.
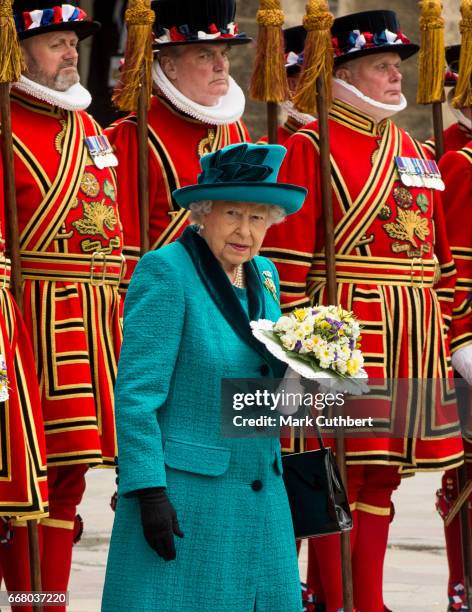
<point>368,560</point>
<point>14,561</point>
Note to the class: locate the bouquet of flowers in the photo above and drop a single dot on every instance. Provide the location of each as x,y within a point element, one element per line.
<point>322,343</point>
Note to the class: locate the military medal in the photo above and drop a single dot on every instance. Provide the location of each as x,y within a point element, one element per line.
<point>437,175</point>
<point>422,202</point>
<point>89,185</point>
<point>428,179</point>
<point>402,197</point>
<point>101,151</point>
<point>420,173</point>
<point>107,151</point>
<point>385,213</point>
<point>109,190</point>
<point>405,177</point>
<point>94,151</point>
<point>416,177</point>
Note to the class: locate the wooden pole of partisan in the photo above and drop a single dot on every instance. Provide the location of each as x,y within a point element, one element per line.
<point>326,198</point>
<point>16,287</point>
<point>463,483</point>
<point>272,117</point>
<point>133,94</point>
<point>143,161</point>
<point>438,126</point>
<point>463,99</point>
<point>466,535</point>
<point>272,122</point>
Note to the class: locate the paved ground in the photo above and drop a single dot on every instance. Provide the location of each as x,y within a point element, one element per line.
<point>416,568</point>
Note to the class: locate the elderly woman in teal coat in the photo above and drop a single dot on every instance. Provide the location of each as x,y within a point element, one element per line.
<point>202,521</point>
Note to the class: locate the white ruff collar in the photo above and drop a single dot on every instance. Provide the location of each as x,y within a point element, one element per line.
<point>301,118</point>
<point>377,110</point>
<point>76,98</point>
<point>228,110</point>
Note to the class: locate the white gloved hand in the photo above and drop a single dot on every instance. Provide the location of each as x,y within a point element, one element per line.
<point>462,362</point>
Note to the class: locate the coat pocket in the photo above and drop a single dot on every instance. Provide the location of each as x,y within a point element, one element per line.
<point>196,458</point>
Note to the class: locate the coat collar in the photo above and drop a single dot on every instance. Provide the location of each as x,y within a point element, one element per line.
<point>221,291</point>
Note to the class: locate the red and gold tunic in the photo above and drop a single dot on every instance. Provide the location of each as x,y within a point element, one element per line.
<point>390,241</point>
<point>456,168</point>
<point>23,484</point>
<point>176,143</point>
<point>455,137</point>
<point>284,131</point>
<point>71,244</point>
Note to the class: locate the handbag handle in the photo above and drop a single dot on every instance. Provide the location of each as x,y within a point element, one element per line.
<point>318,432</point>
<point>319,436</point>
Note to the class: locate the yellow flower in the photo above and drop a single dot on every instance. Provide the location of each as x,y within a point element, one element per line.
<point>353,366</point>
<point>299,314</point>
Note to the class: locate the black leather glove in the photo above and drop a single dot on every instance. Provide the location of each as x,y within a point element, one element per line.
<point>159,521</point>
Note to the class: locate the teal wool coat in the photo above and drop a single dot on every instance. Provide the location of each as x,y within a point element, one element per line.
<point>185,329</point>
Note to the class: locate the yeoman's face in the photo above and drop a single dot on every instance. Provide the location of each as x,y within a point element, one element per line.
<point>51,59</point>
<point>377,76</point>
<point>201,72</point>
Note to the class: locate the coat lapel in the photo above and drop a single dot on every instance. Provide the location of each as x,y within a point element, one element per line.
<point>219,287</point>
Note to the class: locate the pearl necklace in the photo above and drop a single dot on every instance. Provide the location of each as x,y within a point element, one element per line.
<point>239,278</point>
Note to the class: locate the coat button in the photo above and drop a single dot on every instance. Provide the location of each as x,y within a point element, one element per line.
<point>256,485</point>
<point>264,369</point>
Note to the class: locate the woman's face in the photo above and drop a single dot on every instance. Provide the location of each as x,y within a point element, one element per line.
<point>235,231</point>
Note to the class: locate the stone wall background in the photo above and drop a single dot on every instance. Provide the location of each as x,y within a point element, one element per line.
<point>417,119</point>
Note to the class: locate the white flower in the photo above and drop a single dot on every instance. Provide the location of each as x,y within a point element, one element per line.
<point>341,366</point>
<point>284,324</point>
<point>355,328</point>
<point>307,326</point>
<point>357,355</point>
<point>326,356</point>
<point>325,363</point>
<point>307,346</point>
<point>289,341</point>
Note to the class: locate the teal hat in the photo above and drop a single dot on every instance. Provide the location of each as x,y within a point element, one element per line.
<point>243,173</point>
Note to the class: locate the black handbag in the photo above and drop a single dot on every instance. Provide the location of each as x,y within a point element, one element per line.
<point>317,497</point>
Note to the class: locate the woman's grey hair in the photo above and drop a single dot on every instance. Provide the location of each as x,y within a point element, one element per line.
<point>198,210</point>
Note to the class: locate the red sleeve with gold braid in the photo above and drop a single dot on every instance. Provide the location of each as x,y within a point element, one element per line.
<point>456,169</point>
<point>291,244</point>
